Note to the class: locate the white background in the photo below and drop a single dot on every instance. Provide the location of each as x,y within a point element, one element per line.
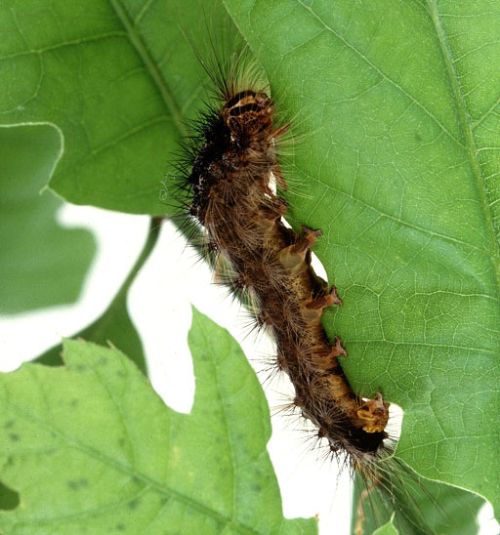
<point>160,306</point>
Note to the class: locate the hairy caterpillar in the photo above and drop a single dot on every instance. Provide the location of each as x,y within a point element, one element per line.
<point>232,199</point>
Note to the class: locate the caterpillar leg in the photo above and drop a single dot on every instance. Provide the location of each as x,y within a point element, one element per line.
<point>306,240</point>
<point>293,257</point>
<point>326,300</point>
<point>328,360</point>
<point>338,349</point>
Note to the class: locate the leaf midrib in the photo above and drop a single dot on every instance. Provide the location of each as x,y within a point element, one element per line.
<point>466,127</point>
<point>150,65</point>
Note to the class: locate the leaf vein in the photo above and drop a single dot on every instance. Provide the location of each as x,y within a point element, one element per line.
<point>131,471</point>
<point>372,65</point>
<point>144,54</point>
<point>466,127</point>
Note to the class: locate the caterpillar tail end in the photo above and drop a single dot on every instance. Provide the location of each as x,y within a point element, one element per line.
<point>374,414</point>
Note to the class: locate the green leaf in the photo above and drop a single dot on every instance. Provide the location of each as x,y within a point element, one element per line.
<point>399,170</point>
<point>41,263</point>
<point>92,449</point>
<point>111,76</point>
<point>386,529</point>
<point>414,506</point>
<point>114,326</point>
<point>398,103</point>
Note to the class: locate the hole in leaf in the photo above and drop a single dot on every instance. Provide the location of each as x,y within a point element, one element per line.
<point>9,499</point>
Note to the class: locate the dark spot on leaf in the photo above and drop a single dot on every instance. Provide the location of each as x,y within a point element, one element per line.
<point>120,527</point>
<point>14,437</point>
<point>77,484</point>
<point>121,373</point>
<point>418,137</point>
<point>9,424</point>
<point>9,498</point>
<point>80,367</point>
<point>133,504</point>
<point>102,361</point>
<point>74,402</point>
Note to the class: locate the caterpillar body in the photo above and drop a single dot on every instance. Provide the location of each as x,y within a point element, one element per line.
<point>234,162</point>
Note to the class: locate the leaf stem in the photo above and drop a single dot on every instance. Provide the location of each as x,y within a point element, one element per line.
<point>151,239</point>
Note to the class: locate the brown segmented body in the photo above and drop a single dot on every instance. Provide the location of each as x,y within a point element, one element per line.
<point>233,165</point>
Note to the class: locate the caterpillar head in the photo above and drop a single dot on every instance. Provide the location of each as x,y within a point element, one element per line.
<point>248,113</point>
